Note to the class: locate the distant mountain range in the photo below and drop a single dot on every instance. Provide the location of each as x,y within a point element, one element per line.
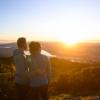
<point>82,51</point>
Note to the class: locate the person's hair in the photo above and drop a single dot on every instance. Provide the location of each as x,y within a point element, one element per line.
<point>34,47</point>
<point>21,42</point>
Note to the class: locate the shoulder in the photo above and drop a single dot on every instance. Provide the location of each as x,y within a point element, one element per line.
<point>17,52</point>
<point>45,57</point>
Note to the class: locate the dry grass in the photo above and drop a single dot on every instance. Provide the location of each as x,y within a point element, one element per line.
<point>80,80</point>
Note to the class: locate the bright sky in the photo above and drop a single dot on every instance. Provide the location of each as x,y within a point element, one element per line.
<point>77,20</point>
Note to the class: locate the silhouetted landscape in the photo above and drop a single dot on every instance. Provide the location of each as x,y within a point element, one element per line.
<point>82,51</point>
<point>70,78</point>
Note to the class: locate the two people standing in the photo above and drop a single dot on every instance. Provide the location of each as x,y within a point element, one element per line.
<point>33,71</point>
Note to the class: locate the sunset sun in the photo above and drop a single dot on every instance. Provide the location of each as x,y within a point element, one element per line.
<point>70,42</point>
<point>71,39</point>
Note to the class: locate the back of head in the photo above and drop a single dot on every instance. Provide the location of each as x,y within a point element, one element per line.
<point>21,43</point>
<point>34,47</point>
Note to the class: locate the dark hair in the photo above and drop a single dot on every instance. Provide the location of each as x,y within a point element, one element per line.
<point>21,42</point>
<point>34,47</point>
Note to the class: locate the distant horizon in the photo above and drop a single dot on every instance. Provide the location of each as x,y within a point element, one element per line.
<point>10,41</point>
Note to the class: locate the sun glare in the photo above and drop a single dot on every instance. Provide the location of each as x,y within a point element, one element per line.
<point>70,42</point>
<point>71,39</point>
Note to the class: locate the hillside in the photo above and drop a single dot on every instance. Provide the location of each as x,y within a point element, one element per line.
<point>68,79</point>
